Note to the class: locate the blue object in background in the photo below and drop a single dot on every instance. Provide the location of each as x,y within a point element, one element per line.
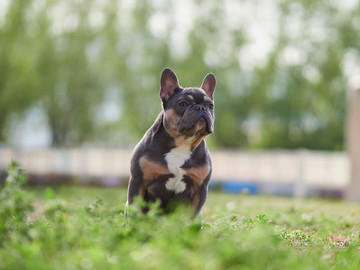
<point>279,189</point>
<point>271,188</point>
<point>240,187</point>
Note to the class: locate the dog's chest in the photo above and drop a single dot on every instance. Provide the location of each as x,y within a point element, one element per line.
<point>175,159</point>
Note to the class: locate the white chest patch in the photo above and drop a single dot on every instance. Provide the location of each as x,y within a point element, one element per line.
<point>175,159</point>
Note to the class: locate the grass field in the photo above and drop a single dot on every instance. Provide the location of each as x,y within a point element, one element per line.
<point>84,228</point>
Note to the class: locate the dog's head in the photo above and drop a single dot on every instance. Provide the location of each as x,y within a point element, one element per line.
<point>189,112</point>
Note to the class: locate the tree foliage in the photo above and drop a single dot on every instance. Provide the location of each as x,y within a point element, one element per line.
<point>93,68</point>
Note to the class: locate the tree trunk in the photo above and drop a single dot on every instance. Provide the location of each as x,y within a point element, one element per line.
<point>353,147</point>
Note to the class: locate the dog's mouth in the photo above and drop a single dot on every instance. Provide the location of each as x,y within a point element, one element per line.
<point>199,126</point>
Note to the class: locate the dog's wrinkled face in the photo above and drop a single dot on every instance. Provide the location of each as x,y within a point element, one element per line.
<point>189,112</point>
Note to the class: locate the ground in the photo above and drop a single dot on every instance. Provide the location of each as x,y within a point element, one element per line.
<point>84,228</point>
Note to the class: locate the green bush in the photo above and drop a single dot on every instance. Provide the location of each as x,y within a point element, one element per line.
<point>85,228</point>
<point>14,204</point>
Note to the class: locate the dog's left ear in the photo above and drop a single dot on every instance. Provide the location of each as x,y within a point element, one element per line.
<point>208,85</point>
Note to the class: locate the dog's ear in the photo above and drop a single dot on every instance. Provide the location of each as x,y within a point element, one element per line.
<point>168,84</point>
<point>208,85</point>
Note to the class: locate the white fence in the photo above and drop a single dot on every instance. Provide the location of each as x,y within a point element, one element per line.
<point>301,168</point>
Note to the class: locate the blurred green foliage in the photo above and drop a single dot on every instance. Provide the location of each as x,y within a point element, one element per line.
<point>77,60</point>
<point>15,205</point>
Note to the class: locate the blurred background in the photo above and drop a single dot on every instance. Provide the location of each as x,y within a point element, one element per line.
<point>79,85</point>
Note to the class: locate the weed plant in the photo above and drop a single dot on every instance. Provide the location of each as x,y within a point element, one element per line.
<point>85,228</point>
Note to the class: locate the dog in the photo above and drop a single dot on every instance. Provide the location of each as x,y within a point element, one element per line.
<point>171,163</point>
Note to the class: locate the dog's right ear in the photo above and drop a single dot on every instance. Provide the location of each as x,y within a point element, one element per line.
<point>168,84</point>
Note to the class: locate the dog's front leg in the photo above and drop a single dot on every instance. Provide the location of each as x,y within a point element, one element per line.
<point>199,199</point>
<point>134,189</point>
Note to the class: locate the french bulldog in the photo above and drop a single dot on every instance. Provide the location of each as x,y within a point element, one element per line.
<point>171,163</point>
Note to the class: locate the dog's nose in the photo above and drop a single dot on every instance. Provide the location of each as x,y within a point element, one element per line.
<point>199,107</point>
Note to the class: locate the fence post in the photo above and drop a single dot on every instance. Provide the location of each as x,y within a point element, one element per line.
<point>300,185</point>
<point>84,163</point>
<point>353,147</point>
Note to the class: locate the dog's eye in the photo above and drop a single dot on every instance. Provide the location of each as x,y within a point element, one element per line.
<point>183,104</point>
<point>211,106</point>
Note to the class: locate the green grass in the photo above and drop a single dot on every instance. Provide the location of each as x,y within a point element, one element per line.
<point>84,228</point>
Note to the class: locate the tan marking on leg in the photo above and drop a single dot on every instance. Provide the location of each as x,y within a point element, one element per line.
<point>152,169</point>
<point>142,192</point>
<point>195,201</point>
<point>198,175</point>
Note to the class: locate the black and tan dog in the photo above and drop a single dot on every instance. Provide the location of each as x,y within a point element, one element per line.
<point>171,163</point>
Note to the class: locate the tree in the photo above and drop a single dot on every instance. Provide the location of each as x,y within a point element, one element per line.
<point>76,65</point>
<point>18,82</point>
